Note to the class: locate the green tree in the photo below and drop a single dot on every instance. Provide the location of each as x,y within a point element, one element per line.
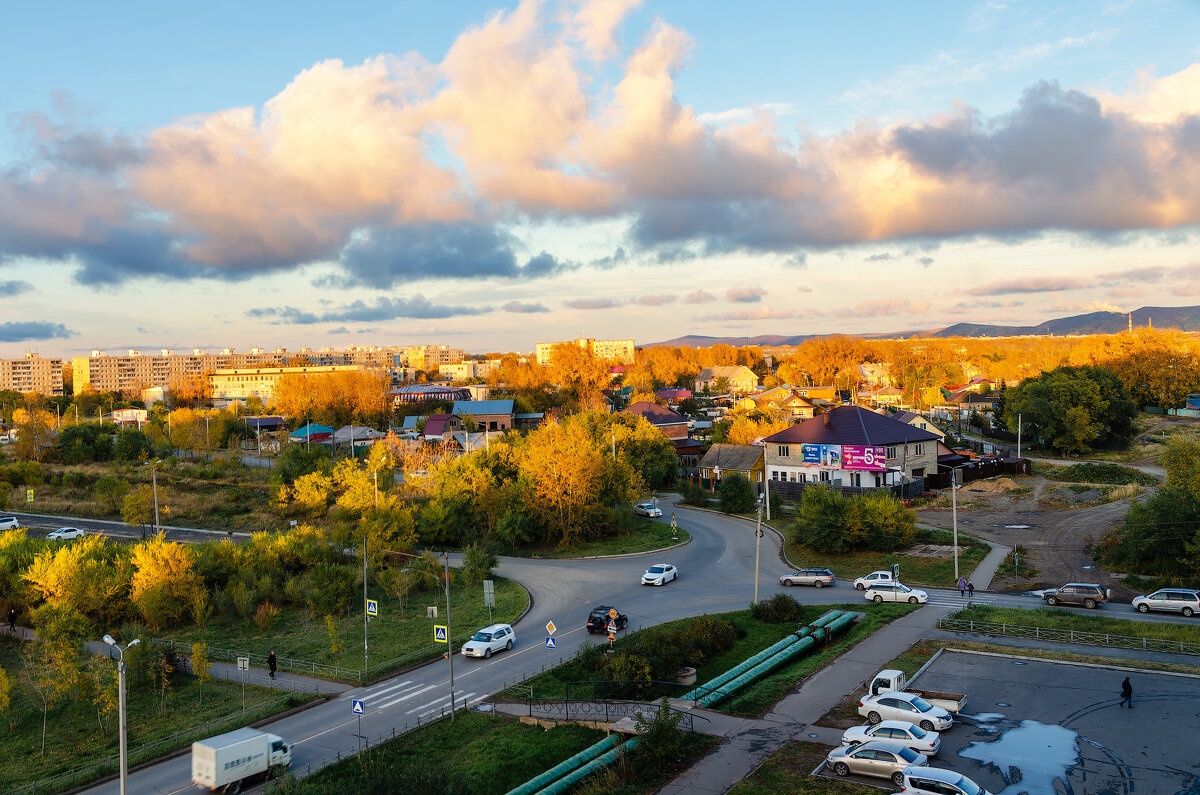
<point>332,589</point>
<point>1073,408</point>
<point>137,509</point>
<point>132,445</point>
<point>660,742</point>
<point>478,564</point>
<point>821,521</point>
<point>735,494</point>
<point>109,491</point>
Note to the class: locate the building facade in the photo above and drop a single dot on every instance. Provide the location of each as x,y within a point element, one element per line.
<point>604,350</point>
<point>239,384</point>
<point>32,374</point>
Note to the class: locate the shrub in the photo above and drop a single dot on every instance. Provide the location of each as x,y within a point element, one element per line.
<point>332,589</point>
<point>736,494</point>
<point>692,493</point>
<point>478,564</point>
<point>779,609</point>
<point>266,615</point>
<point>713,634</point>
<point>660,742</point>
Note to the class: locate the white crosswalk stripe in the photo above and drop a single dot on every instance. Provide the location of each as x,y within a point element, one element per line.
<point>377,693</point>
<point>460,700</point>
<point>407,696</point>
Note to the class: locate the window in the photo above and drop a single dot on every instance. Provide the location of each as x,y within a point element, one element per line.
<point>918,449</point>
<point>891,451</point>
<point>783,451</point>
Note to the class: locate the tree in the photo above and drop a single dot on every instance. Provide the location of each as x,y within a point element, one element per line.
<point>736,494</point>
<point>165,582</point>
<point>478,564</point>
<point>35,434</point>
<point>830,522</point>
<point>332,589</point>
<point>137,509</point>
<point>103,681</point>
<point>1073,408</point>
<point>132,445</point>
<point>313,491</point>
<point>201,667</point>
<point>109,491</point>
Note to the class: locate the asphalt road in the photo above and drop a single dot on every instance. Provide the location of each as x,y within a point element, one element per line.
<point>716,575</point>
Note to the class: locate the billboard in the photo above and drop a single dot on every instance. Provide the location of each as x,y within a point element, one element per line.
<point>860,457</point>
<point>823,456</point>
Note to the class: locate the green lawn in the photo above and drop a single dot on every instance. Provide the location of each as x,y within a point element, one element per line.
<point>787,771</point>
<point>649,536</point>
<point>395,633</point>
<point>75,739</point>
<point>1055,618</point>
<point>1110,474</point>
<point>914,570</point>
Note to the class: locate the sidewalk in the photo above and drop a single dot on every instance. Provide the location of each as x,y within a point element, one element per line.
<point>987,568</point>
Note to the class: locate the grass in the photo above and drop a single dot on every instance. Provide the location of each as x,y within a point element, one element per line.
<point>1018,569</point>
<point>1104,473</point>
<point>75,739</point>
<point>649,536</point>
<point>395,633</point>
<point>1138,582</point>
<point>787,771</point>
<point>914,570</point>
<point>1051,618</point>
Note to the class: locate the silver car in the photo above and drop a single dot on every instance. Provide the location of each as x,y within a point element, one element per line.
<point>908,707</point>
<point>818,578</point>
<point>647,509</point>
<point>879,759</point>
<point>1171,600</point>
<point>938,781</point>
<point>894,731</point>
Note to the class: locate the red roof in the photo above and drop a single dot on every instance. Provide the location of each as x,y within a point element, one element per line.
<point>436,424</point>
<point>655,414</point>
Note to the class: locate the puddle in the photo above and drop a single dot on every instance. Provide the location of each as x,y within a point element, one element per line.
<point>1019,662</point>
<point>1030,758</point>
<point>1089,566</point>
<point>989,717</point>
<point>1018,526</point>
<point>1003,704</point>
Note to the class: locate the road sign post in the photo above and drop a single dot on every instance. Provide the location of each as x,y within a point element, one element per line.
<point>243,664</point>
<point>29,496</point>
<point>489,597</point>
<point>372,608</point>
<point>358,707</point>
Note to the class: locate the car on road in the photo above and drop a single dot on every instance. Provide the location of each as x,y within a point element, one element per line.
<point>894,731</point>
<point>818,578</point>
<point>492,638</point>
<point>647,509</point>
<point>600,617</point>
<point>1169,600</point>
<point>9,523</point>
<point>923,780</point>
<point>895,592</point>
<point>1088,594</point>
<point>879,759</point>
<point>907,707</point>
<point>65,534</point>
<point>660,574</point>
<point>867,580</point>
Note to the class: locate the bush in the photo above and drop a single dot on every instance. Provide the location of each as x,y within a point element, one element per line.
<point>478,564</point>
<point>736,494</point>
<point>831,523</point>
<point>692,493</point>
<point>660,742</point>
<point>333,589</point>
<point>779,609</point>
<point>1114,474</point>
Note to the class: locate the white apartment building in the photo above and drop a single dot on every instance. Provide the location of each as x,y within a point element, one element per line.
<point>32,374</point>
<point>619,351</point>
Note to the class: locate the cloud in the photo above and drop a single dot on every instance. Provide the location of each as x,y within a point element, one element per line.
<point>804,288</point>
<point>925,261</point>
<point>592,303</point>
<point>11,289</point>
<point>883,257</point>
<point>1036,284</point>
<point>522,309</point>
<point>886,307</point>
<point>655,300</point>
<point>1151,274</point>
<point>744,115</point>
<point>382,308</point>
<point>762,313</point>
<point>699,297</point>
<point>744,295</point>
<point>22,331</point>
<point>798,260</point>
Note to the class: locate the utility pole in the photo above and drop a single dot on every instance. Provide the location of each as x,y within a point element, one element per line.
<point>757,543</point>
<point>954,507</point>
<point>449,633</point>
<point>121,705</point>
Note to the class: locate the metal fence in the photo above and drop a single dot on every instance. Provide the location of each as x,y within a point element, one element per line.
<point>1105,639</point>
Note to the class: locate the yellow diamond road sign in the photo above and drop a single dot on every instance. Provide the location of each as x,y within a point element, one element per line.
<point>550,628</point>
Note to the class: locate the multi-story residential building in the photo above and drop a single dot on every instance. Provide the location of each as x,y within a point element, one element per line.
<point>32,374</point>
<point>242,383</point>
<point>739,379</point>
<point>464,371</point>
<point>604,350</point>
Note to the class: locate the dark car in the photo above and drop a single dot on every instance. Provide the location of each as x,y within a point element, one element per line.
<point>600,617</point>
<point>1087,594</point>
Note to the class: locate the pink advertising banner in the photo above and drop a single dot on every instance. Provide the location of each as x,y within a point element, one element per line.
<point>859,457</point>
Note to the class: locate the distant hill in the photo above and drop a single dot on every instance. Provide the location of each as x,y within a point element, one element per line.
<point>1184,318</point>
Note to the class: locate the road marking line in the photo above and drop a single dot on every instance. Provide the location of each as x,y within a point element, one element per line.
<point>377,693</point>
<point>406,697</point>
<point>457,699</point>
<point>427,705</point>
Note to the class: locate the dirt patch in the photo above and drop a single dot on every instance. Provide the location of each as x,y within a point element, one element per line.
<point>1071,497</point>
<point>992,486</point>
<point>933,550</point>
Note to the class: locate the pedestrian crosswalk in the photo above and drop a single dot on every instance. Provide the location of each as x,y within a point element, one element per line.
<point>391,694</point>
<point>954,600</point>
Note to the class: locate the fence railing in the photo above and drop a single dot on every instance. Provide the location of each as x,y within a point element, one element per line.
<point>1105,639</point>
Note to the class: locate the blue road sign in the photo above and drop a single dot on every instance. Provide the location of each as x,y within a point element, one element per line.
<point>549,643</point>
<point>372,607</point>
<point>359,707</point>
<point>439,633</point>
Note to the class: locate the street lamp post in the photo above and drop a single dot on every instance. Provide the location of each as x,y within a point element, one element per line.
<point>757,543</point>
<point>121,704</point>
<point>365,616</point>
<point>954,513</point>
<point>154,480</point>
<point>449,623</point>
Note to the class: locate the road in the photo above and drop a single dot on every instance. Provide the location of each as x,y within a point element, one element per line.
<point>36,522</point>
<point>716,575</point>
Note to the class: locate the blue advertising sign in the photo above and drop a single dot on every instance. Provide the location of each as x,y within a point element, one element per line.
<point>825,456</point>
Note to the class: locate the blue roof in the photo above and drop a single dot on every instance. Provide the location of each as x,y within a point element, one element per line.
<point>477,407</point>
<point>409,423</point>
<point>311,428</point>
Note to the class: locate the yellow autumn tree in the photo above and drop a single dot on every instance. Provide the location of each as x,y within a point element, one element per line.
<point>89,575</point>
<point>165,581</point>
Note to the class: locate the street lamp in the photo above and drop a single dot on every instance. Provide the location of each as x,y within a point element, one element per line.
<point>154,480</point>
<point>757,542</point>
<point>365,616</point>
<point>449,625</point>
<point>121,703</point>
<point>954,478</point>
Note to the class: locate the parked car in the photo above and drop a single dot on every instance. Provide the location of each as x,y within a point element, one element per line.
<point>65,534</point>
<point>818,578</point>
<point>9,523</point>
<point>1170,600</point>
<point>496,637</point>
<point>660,574</point>
<point>879,759</point>
<point>1087,594</point>
<point>870,579</point>
<point>938,781</point>
<point>599,618</point>
<point>895,592</point>
<point>647,509</point>
<point>907,707</point>
<point>894,731</point>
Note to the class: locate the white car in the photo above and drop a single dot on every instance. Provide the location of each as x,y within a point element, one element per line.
<point>866,581</point>
<point>906,707</point>
<point>647,509</point>
<point>496,637</point>
<point>9,523</point>
<point>65,534</point>
<point>660,574</point>
<point>895,592</point>
<point>938,781</point>
<point>895,731</point>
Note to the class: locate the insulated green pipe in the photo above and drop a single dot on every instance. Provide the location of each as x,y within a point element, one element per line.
<point>562,768</point>
<point>568,781</point>
<point>718,681</point>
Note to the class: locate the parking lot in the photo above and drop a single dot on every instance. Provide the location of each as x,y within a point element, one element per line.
<point>1048,728</point>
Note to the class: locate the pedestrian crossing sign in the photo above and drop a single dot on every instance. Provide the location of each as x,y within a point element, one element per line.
<point>439,633</point>
<point>550,643</point>
<point>372,607</point>
<point>360,706</point>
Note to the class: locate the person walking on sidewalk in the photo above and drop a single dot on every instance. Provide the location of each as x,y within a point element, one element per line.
<point>970,590</point>
<point>1126,694</point>
<point>271,663</point>
<point>962,586</point>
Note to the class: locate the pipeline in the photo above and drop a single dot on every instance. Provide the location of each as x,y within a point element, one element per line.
<point>586,755</point>
<point>837,624</point>
<point>718,681</point>
<point>568,781</point>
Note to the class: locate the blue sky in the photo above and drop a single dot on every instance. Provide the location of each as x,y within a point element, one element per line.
<point>487,176</point>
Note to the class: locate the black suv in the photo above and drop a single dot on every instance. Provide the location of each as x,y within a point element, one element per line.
<point>598,619</point>
<point>1087,594</point>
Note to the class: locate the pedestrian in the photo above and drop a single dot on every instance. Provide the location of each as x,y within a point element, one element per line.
<point>271,663</point>
<point>962,586</point>
<point>1126,694</point>
<point>970,590</point>
<point>12,620</point>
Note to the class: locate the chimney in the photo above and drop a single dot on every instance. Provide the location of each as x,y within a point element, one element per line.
<point>826,416</point>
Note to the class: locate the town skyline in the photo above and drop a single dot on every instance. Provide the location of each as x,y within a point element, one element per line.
<point>492,175</point>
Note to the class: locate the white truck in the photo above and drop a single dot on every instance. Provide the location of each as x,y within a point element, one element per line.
<point>224,762</point>
<point>893,679</point>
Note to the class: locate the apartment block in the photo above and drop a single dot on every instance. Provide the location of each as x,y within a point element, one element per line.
<point>32,374</point>
<point>242,383</point>
<point>620,351</point>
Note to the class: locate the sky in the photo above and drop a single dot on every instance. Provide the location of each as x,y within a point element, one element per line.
<point>484,175</point>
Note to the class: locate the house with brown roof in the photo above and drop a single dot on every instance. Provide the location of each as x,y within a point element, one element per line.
<point>785,401</point>
<point>916,420</point>
<point>723,460</point>
<point>741,379</point>
<point>440,427</point>
<point>672,424</point>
